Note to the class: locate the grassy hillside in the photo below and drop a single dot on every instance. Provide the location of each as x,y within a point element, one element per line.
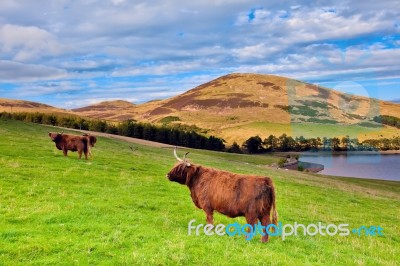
<point>119,208</point>
<point>118,110</point>
<point>8,105</point>
<point>231,106</point>
<point>240,133</point>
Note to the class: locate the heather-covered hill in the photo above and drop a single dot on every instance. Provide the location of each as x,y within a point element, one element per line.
<point>237,106</point>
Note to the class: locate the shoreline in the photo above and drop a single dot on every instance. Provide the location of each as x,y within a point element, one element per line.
<point>390,152</point>
<point>317,168</point>
<point>308,167</point>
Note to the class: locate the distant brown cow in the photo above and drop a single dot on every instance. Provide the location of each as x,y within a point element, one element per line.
<point>227,193</point>
<point>66,142</point>
<point>91,140</point>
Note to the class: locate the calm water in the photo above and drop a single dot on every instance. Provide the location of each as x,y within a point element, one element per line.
<point>363,166</point>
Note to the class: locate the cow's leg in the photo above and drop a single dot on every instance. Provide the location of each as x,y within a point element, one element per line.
<point>251,220</point>
<point>265,221</point>
<point>80,154</point>
<point>65,151</point>
<point>210,218</point>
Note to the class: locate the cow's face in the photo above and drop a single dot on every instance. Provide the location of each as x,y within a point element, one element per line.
<point>55,136</point>
<point>179,173</point>
<point>92,140</point>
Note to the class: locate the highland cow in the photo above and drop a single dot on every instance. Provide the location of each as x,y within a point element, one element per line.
<point>66,142</point>
<point>230,194</point>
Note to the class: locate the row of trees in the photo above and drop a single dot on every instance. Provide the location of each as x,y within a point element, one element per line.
<point>188,137</point>
<point>169,135</point>
<point>287,143</point>
<point>388,120</point>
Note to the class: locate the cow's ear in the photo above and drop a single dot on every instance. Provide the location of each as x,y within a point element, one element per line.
<point>49,134</point>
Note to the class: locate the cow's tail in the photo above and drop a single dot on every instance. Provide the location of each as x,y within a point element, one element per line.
<point>273,209</point>
<point>85,146</point>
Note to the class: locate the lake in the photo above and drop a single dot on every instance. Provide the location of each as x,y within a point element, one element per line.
<point>376,166</point>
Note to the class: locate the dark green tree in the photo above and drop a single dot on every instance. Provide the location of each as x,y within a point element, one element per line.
<point>235,148</point>
<point>253,145</point>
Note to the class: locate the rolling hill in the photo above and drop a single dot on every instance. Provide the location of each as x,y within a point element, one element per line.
<point>256,103</point>
<point>237,106</point>
<point>9,105</point>
<point>118,110</point>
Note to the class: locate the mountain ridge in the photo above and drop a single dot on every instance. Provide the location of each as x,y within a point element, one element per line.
<point>238,104</point>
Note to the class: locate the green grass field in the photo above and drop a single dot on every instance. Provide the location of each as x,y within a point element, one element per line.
<point>119,209</point>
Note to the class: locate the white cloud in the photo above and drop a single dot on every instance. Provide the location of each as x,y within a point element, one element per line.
<point>257,51</point>
<point>164,68</point>
<point>117,2</point>
<point>304,25</point>
<point>330,62</point>
<point>27,43</point>
<point>18,72</point>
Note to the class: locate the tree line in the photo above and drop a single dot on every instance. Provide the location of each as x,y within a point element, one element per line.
<point>286,143</point>
<point>180,136</point>
<point>388,120</point>
<point>187,136</point>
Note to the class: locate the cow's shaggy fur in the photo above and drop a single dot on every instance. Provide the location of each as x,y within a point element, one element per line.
<point>228,193</point>
<point>67,142</point>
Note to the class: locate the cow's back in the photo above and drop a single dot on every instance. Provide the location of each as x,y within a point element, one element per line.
<point>232,194</point>
<point>73,143</point>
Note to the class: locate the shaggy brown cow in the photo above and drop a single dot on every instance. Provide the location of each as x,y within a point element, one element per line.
<point>66,142</point>
<point>227,193</point>
<point>91,140</point>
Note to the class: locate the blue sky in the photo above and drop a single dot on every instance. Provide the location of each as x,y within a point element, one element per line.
<point>74,53</point>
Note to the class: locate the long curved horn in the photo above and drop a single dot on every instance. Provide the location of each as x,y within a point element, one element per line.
<point>176,156</point>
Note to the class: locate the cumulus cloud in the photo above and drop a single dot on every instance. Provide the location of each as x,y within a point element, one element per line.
<point>25,43</point>
<point>11,71</point>
<point>163,68</point>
